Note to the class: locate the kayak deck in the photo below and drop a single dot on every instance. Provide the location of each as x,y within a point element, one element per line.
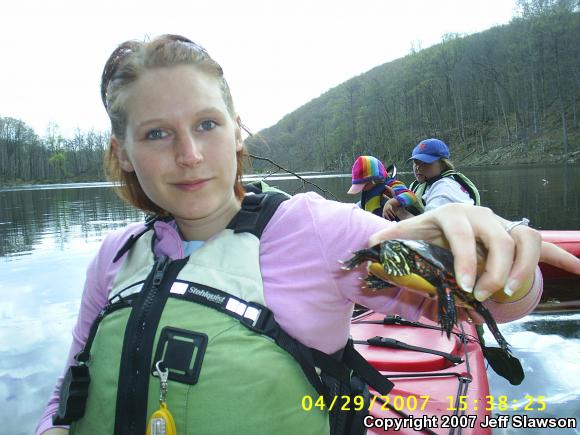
<point>427,385</point>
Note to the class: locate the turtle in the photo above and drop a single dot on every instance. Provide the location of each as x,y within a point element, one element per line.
<point>423,266</point>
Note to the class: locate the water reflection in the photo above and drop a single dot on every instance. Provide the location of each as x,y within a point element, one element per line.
<point>37,218</point>
<point>28,216</point>
<point>47,239</point>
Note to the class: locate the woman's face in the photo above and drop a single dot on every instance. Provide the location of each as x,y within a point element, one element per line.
<point>181,142</point>
<point>425,171</point>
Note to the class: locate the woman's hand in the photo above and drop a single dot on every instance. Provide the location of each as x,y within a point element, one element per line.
<point>511,258</point>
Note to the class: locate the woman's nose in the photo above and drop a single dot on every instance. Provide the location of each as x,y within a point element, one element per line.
<point>187,150</point>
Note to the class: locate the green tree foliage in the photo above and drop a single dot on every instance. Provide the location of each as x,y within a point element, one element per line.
<point>511,86</point>
<point>26,158</point>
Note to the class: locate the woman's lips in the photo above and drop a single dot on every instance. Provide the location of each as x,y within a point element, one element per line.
<point>192,185</point>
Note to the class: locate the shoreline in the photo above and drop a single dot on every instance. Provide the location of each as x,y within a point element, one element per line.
<point>499,158</point>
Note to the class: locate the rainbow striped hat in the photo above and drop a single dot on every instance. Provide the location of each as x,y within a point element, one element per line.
<point>365,170</point>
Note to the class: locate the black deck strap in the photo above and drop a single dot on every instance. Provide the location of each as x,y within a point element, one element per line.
<point>149,222</point>
<point>398,320</point>
<point>365,370</point>
<point>256,211</point>
<point>396,344</point>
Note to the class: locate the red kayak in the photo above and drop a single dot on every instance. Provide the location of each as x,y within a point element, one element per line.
<point>560,287</point>
<point>435,393</point>
<point>568,240</point>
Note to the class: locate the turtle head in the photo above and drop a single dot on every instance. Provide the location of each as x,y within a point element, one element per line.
<point>395,257</point>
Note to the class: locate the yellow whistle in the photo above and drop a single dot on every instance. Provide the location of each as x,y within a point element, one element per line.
<point>161,422</point>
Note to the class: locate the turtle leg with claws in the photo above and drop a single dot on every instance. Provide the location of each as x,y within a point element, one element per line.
<point>359,257</point>
<point>376,283</point>
<point>447,309</point>
<point>491,324</point>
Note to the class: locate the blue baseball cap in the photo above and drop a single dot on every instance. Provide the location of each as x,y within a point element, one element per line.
<point>429,150</point>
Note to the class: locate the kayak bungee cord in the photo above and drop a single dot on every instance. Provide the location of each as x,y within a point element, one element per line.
<point>398,320</point>
<point>464,379</point>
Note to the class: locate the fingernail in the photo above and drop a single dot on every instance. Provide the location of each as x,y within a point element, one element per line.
<point>511,287</point>
<point>482,295</point>
<point>466,283</point>
<point>508,291</point>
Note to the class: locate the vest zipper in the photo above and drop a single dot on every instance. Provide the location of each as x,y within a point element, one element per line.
<point>134,371</point>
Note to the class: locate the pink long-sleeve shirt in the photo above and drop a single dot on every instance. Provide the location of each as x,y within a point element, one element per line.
<point>304,286</point>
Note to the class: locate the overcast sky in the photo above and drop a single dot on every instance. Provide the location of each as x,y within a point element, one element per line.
<point>277,54</point>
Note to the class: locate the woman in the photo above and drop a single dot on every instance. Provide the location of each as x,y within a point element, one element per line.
<point>167,296</point>
<point>437,182</point>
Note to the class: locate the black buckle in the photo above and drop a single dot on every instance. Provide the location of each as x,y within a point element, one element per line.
<point>261,324</point>
<point>253,202</point>
<point>182,353</point>
<point>73,395</point>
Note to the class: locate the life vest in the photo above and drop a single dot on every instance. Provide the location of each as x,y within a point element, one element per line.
<point>419,189</point>
<point>229,361</point>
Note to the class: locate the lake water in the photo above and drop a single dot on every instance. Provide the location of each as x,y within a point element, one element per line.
<point>48,236</point>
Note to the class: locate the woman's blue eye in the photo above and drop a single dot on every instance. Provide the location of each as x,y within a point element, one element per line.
<point>155,134</point>
<point>207,125</point>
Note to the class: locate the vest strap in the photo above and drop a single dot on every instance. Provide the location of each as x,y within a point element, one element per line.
<point>260,319</point>
<point>256,211</point>
<point>366,371</point>
<point>251,314</point>
<point>149,222</point>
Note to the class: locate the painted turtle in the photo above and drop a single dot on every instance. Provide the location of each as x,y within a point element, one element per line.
<point>419,265</point>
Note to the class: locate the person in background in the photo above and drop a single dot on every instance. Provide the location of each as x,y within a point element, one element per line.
<point>380,194</point>
<point>178,315</point>
<point>437,182</point>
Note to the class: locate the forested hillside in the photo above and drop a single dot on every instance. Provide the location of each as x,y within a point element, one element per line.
<point>507,94</point>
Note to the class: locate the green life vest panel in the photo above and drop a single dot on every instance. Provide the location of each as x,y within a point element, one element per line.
<point>419,189</point>
<point>261,187</point>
